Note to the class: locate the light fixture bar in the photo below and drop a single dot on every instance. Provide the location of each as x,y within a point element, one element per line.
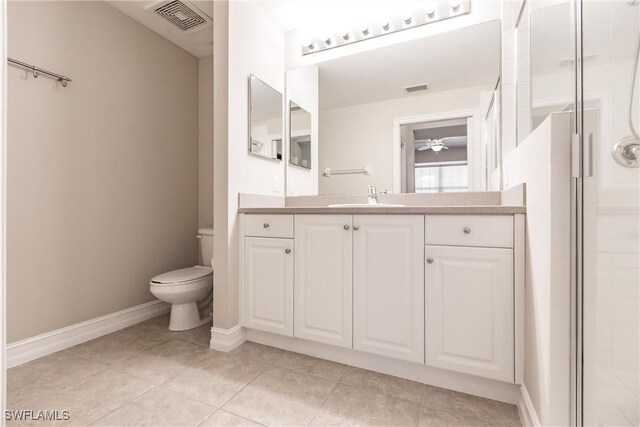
<point>432,11</point>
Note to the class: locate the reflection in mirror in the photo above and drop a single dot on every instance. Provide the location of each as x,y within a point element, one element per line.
<point>434,156</point>
<point>416,116</point>
<point>299,136</point>
<point>552,52</point>
<point>265,120</point>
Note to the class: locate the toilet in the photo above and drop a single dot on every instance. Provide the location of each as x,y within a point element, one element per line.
<point>188,290</point>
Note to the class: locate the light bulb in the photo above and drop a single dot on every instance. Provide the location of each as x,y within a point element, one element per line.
<point>406,16</point>
<point>436,148</point>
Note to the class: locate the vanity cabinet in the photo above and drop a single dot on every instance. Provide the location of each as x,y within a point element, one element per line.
<point>469,282</point>
<point>267,294</point>
<point>388,285</point>
<point>469,310</point>
<point>442,291</point>
<point>323,279</point>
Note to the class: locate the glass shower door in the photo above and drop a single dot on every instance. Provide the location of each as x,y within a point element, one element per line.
<point>609,211</point>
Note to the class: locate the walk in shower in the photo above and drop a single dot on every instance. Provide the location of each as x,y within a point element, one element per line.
<point>607,200</point>
<point>583,62</point>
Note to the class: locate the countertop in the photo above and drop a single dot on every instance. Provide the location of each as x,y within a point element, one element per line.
<point>477,210</point>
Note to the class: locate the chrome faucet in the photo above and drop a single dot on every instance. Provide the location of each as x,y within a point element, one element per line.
<point>372,195</point>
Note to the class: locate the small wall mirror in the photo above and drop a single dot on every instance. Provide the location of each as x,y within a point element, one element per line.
<point>265,120</point>
<point>299,136</point>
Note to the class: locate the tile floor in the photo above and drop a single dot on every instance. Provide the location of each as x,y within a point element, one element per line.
<point>146,375</point>
<point>612,397</point>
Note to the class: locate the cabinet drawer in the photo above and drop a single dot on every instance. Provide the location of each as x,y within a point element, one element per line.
<point>469,230</point>
<point>268,226</point>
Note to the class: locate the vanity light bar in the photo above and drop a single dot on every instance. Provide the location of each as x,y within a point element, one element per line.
<point>434,11</point>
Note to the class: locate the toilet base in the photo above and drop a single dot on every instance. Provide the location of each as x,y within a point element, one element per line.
<point>184,316</point>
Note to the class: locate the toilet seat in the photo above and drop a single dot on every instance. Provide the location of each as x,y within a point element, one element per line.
<point>183,275</point>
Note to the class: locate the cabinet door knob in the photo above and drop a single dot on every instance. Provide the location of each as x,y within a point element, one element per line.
<point>466,230</point>
<point>429,260</point>
<point>346,227</point>
<point>287,251</point>
<point>356,228</point>
<point>265,225</point>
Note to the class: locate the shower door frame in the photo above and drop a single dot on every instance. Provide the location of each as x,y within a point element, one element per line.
<point>578,153</point>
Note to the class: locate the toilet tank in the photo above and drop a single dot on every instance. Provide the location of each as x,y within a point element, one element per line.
<point>206,246</point>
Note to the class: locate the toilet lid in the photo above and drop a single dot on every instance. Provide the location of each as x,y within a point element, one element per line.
<point>183,275</point>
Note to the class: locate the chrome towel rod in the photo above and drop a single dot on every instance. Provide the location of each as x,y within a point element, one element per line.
<point>329,172</point>
<point>37,71</point>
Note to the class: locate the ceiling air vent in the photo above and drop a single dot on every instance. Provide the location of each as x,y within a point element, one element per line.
<point>416,88</point>
<point>182,15</point>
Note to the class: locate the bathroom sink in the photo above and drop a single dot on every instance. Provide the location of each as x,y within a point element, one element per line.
<point>365,205</point>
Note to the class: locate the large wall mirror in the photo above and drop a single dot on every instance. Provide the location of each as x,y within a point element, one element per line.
<point>422,116</point>
<point>265,120</point>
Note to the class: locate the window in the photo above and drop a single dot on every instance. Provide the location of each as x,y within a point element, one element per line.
<point>442,177</point>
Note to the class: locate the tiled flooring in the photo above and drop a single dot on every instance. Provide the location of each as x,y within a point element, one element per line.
<point>147,375</point>
<point>612,397</point>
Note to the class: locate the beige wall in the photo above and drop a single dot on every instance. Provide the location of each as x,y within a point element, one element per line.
<point>225,302</point>
<point>3,54</point>
<point>103,174</point>
<point>205,156</point>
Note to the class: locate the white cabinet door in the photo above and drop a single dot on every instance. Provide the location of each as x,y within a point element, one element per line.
<point>469,310</point>
<point>388,285</point>
<point>268,285</point>
<point>323,279</point>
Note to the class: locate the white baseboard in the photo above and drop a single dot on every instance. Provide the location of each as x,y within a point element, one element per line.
<point>483,387</point>
<point>32,348</point>
<point>527,411</point>
<point>226,339</point>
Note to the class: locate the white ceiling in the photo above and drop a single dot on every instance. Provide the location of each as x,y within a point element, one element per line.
<point>462,58</point>
<point>199,44</point>
<point>443,132</point>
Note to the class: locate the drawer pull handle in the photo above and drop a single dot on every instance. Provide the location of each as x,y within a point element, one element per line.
<point>346,227</point>
<point>356,228</point>
<point>287,251</point>
<point>265,225</point>
<point>429,260</point>
<point>467,230</point>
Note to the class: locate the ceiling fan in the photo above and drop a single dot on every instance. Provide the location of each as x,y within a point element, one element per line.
<point>438,144</point>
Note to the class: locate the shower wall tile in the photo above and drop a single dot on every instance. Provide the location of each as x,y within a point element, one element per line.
<point>561,190</point>
<point>624,311</point>
<point>625,362</point>
<point>625,339</point>
<point>509,97</point>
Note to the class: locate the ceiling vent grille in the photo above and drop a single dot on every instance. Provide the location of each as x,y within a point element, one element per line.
<point>416,88</point>
<point>181,15</point>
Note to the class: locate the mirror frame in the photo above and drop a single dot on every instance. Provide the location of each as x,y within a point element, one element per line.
<point>249,126</point>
